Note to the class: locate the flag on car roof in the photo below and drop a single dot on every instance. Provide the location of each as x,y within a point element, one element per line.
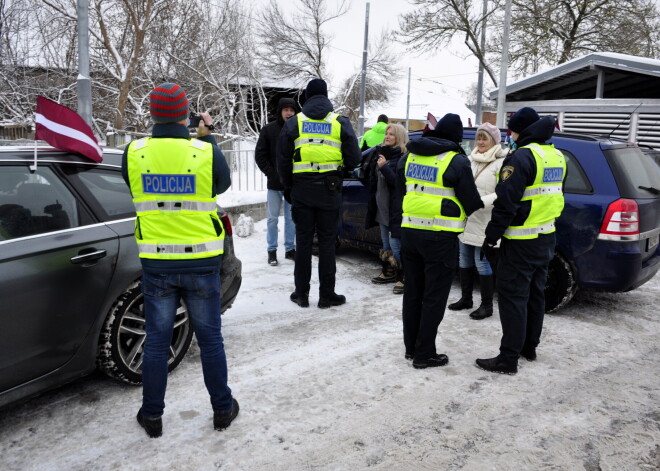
<point>64,129</point>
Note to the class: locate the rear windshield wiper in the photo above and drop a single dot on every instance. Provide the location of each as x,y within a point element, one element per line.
<point>655,191</point>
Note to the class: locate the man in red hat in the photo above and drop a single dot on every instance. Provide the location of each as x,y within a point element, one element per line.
<point>174,181</point>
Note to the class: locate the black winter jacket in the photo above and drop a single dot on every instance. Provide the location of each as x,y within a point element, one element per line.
<point>311,188</point>
<point>265,154</point>
<point>518,171</point>
<point>457,176</point>
<point>396,197</point>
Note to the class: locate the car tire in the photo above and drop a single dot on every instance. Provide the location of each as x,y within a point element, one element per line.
<point>561,284</point>
<point>121,343</point>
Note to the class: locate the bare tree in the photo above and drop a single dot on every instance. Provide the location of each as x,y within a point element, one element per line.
<point>550,32</point>
<point>294,47</point>
<point>435,23</point>
<point>543,32</point>
<point>382,72</point>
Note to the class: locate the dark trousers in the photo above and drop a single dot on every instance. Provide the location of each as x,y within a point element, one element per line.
<point>522,271</point>
<point>310,219</point>
<point>429,265</point>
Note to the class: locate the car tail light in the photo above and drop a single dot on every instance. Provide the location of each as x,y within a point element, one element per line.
<point>227,224</point>
<point>621,221</point>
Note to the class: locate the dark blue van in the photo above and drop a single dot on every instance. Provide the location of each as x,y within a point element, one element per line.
<point>607,235</point>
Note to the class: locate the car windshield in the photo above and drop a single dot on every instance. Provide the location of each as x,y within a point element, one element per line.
<point>636,174</point>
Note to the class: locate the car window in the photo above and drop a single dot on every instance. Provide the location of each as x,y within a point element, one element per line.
<point>576,180</point>
<point>633,169</point>
<point>34,203</point>
<point>110,190</point>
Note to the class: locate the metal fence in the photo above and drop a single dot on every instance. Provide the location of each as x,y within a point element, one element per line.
<point>245,175</point>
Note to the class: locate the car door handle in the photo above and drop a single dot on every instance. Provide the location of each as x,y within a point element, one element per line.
<point>86,257</point>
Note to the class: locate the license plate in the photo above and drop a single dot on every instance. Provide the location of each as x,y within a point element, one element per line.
<point>652,242</point>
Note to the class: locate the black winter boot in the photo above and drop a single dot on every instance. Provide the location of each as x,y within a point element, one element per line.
<point>388,273</point>
<point>467,282</point>
<point>486,286</point>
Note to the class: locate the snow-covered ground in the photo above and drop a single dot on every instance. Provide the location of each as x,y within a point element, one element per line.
<point>330,390</point>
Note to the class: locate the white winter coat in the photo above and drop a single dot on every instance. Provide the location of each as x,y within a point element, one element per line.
<point>492,159</point>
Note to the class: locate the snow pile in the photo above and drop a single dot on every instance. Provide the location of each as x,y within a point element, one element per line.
<point>244,226</point>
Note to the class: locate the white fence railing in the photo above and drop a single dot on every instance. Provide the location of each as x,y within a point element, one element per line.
<point>245,175</point>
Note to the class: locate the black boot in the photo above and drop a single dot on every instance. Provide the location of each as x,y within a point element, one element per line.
<point>467,281</point>
<point>486,286</point>
<point>387,274</point>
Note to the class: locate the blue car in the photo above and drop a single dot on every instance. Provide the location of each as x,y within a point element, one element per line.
<point>607,235</point>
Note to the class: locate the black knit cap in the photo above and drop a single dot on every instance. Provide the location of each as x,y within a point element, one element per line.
<point>316,86</point>
<point>522,119</point>
<point>449,127</point>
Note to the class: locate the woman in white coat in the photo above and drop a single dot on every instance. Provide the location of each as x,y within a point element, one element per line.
<point>486,160</point>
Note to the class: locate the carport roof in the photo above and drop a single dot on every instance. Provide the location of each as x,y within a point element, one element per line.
<point>621,76</point>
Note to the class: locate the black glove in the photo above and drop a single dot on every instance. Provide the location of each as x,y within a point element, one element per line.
<point>287,195</point>
<point>487,250</point>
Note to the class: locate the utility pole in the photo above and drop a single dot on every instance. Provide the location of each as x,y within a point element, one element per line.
<point>363,84</point>
<point>408,103</point>
<point>501,91</point>
<point>84,84</point>
<point>480,81</point>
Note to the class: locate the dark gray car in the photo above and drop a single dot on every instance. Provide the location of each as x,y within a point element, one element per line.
<point>70,297</point>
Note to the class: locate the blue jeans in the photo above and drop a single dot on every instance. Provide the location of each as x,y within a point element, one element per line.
<point>468,256</point>
<point>201,294</point>
<point>275,199</point>
<point>390,243</point>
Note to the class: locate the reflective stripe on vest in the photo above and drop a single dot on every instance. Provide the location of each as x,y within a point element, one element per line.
<point>419,188</point>
<point>530,231</point>
<point>184,205</point>
<point>202,247</point>
<point>318,145</point>
<point>316,167</point>
<point>425,193</point>
<point>317,141</point>
<point>438,222</point>
<point>545,194</point>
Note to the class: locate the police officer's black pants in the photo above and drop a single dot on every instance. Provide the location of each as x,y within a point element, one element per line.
<point>429,265</point>
<point>522,270</point>
<point>308,220</point>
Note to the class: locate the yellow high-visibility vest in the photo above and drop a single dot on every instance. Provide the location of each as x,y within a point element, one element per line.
<point>172,185</point>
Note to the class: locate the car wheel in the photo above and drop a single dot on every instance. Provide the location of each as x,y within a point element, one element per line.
<point>561,284</point>
<point>121,343</point>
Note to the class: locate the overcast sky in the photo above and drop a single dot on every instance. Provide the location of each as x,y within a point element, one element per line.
<point>437,77</point>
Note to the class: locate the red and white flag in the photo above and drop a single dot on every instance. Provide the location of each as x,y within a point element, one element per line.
<point>431,122</point>
<point>64,129</point>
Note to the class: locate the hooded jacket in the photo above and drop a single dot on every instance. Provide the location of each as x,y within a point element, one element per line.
<point>485,168</point>
<point>457,176</point>
<point>520,167</point>
<point>305,185</point>
<point>265,153</point>
<point>373,136</point>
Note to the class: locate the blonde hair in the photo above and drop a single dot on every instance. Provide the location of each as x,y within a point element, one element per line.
<point>400,135</point>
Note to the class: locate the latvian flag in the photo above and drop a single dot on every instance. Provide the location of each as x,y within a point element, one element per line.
<point>64,129</point>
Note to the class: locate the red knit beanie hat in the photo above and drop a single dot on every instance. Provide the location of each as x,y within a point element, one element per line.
<point>168,103</point>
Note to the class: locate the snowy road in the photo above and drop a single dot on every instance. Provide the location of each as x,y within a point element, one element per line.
<point>330,390</point>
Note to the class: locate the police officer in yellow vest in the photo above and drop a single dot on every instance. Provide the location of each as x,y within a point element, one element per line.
<point>529,199</point>
<point>439,195</point>
<point>316,147</point>
<point>174,181</point>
